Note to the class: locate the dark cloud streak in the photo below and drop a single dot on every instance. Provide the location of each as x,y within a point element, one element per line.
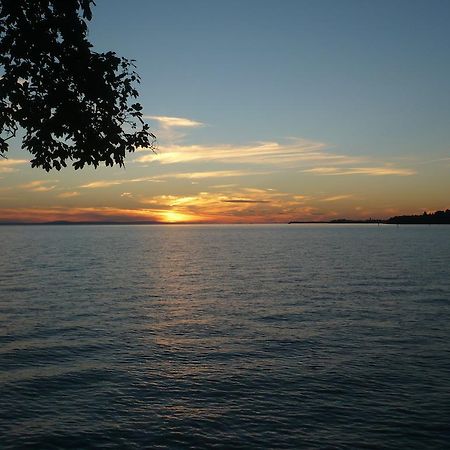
<point>240,200</point>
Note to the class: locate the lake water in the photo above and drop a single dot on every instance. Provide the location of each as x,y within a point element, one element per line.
<point>288,336</point>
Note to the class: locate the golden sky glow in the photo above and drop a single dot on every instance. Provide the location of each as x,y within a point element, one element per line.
<point>261,182</point>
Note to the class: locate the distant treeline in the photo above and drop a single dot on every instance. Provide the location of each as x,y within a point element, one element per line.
<point>438,217</point>
<point>426,218</point>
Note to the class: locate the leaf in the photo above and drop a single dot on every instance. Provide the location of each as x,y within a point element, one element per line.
<point>74,104</point>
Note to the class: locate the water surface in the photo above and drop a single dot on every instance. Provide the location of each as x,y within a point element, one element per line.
<point>299,336</point>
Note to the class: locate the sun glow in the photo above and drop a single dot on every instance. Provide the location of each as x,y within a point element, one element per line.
<point>177,217</point>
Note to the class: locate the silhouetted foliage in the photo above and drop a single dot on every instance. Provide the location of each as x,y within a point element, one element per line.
<point>438,217</point>
<point>71,102</point>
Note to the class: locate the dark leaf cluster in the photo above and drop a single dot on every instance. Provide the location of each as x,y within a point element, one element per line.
<point>73,104</point>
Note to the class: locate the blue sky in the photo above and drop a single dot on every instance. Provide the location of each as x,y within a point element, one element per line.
<point>270,110</point>
<point>372,76</point>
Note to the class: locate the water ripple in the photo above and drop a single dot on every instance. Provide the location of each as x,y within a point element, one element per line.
<point>224,337</point>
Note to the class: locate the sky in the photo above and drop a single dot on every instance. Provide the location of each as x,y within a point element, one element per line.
<point>265,111</point>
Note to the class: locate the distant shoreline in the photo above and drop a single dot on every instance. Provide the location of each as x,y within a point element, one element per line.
<point>436,218</point>
<point>362,222</point>
<point>349,222</point>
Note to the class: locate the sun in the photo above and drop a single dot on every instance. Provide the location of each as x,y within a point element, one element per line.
<point>176,217</point>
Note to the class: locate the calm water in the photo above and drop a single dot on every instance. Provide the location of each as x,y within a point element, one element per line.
<point>276,337</point>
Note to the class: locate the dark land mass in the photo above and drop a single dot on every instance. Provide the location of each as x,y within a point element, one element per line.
<point>436,218</point>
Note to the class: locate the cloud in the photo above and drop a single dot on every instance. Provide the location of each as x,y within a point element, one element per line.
<point>223,186</point>
<point>8,165</point>
<point>109,183</point>
<point>68,194</point>
<point>170,128</point>
<point>231,205</point>
<point>175,122</point>
<point>372,171</point>
<point>290,153</point>
<point>102,184</point>
<point>244,200</point>
<point>240,206</point>
<point>310,156</point>
<point>336,198</point>
<point>211,174</point>
<point>39,185</point>
<point>76,214</point>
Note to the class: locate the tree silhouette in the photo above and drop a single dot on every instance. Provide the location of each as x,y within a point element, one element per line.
<point>71,103</point>
<point>437,217</point>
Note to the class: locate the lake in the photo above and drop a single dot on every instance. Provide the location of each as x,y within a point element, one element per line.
<point>238,336</point>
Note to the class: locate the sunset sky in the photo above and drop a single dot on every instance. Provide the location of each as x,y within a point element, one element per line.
<point>265,111</point>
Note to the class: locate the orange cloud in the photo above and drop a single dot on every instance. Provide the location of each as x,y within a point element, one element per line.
<point>372,171</point>
<point>8,165</point>
<point>75,214</point>
<point>336,198</point>
<point>244,200</point>
<point>212,174</point>
<point>39,185</point>
<point>68,194</point>
<point>245,205</point>
<point>109,183</point>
